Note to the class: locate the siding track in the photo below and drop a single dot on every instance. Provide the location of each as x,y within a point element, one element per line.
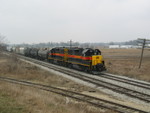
<point>78,96</point>
<point>125,80</point>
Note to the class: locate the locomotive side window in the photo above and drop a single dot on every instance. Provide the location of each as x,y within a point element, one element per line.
<point>52,51</point>
<point>89,53</point>
<point>57,50</point>
<point>76,52</point>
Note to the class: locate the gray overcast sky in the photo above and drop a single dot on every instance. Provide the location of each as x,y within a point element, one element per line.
<point>34,21</point>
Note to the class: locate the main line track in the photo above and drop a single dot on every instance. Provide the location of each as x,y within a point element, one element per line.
<point>78,96</point>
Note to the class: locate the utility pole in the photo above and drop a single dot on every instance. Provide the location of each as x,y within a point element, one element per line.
<point>143,42</point>
<point>70,43</point>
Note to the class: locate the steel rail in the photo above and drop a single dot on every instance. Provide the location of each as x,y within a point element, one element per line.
<point>124,80</point>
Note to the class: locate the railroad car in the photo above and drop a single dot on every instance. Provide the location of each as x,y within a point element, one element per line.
<point>87,59</point>
<point>27,52</point>
<point>21,50</point>
<point>17,50</point>
<point>9,49</point>
<point>34,53</point>
<point>43,54</point>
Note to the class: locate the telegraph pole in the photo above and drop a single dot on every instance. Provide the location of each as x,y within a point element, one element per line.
<point>70,43</point>
<point>143,42</point>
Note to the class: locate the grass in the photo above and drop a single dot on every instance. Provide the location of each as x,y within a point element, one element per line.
<point>9,105</point>
<point>37,101</point>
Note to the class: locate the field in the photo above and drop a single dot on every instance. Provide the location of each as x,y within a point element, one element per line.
<point>22,99</point>
<point>125,62</point>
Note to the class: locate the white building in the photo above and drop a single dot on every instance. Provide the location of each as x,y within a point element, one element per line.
<point>126,46</point>
<point>123,46</point>
<point>114,46</point>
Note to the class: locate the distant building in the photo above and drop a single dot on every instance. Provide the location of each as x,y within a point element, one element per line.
<point>123,46</point>
<point>136,46</point>
<point>114,46</point>
<point>126,46</point>
<point>147,46</point>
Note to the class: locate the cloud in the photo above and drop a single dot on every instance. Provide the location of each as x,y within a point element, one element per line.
<point>34,21</point>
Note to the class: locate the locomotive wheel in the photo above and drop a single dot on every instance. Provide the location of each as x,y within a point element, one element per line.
<point>51,61</point>
<point>65,64</point>
<point>59,62</point>
<point>70,65</point>
<point>85,68</point>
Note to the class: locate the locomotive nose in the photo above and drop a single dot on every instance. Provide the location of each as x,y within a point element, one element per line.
<point>96,59</point>
<point>98,63</point>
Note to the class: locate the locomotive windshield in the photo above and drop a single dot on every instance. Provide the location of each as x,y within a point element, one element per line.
<point>97,52</point>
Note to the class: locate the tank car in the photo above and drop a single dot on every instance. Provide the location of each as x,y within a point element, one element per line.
<point>17,50</point>
<point>21,50</point>
<point>34,53</point>
<point>9,48</point>
<point>27,52</point>
<point>43,54</point>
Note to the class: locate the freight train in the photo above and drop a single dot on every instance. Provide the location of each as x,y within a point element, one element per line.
<point>85,59</point>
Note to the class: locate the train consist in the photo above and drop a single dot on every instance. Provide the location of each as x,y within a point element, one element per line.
<point>85,59</point>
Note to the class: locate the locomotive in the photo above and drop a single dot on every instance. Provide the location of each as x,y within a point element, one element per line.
<point>85,59</point>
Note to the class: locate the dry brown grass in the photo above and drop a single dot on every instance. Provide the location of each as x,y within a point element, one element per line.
<point>126,62</point>
<point>37,101</point>
<point>18,69</point>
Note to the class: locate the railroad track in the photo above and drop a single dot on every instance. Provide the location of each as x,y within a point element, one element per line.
<point>78,96</point>
<point>125,80</point>
<point>99,83</point>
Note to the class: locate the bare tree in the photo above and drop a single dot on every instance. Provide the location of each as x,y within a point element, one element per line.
<point>2,43</point>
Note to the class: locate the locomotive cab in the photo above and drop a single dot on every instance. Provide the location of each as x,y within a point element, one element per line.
<point>97,62</point>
